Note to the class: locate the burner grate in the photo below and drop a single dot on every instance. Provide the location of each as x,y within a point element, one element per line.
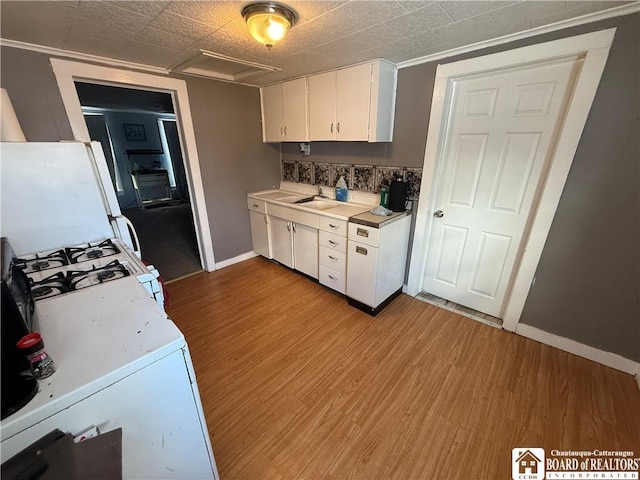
<point>79,279</point>
<point>92,251</point>
<point>50,286</point>
<point>43,261</point>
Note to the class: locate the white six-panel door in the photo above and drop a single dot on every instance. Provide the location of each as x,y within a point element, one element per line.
<point>502,131</point>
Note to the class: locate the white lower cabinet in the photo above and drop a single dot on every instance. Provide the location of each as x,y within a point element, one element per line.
<point>295,245</point>
<point>281,241</point>
<point>260,234</point>
<point>376,262</point>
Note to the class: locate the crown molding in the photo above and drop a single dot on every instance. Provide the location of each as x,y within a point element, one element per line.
<point>620,11</point>
<point>85,57</point>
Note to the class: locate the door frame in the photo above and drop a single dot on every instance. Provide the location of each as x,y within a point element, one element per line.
<point>592,49</point>
<point>67,72</point>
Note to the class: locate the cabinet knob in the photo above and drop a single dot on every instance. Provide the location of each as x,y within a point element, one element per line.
<point>285,131</point>
<point>438,214</point>
<point>338,127</point>
<point>288,226</point>
<point>332,277</point>
<point>333,242</point>
<point>331,257</point>
<point>331,225</point>
<point>332,128</point>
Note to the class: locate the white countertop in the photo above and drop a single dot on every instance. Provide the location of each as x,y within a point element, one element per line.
<point>342,210</point>
<point>96,337</point>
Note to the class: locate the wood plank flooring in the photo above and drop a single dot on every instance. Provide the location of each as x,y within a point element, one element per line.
<point>297,384</point>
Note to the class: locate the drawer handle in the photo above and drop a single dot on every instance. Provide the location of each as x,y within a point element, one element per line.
<point>255,205</point>
<point>362,232</point>
<point>335,227</point>
<point>333,242</point>
<point>361,250</point>
<point>331,257</point>
<point>332,277</point>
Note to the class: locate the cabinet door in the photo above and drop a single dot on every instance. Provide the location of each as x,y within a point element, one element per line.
<point>281,241</point>
<point>260,233</point>
<point>272,113</point>
<point>305,249</point>
<point>362,266</point>
<point>353,102</point>
<point>294,104</point>
<point>322,106</point>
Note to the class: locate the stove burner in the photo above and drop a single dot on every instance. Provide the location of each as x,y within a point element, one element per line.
<point>40,265</point>
<point>42,261</point>
<point>81,279</point>
<point>92,251</point>
<point>41,291</point>
<point>51,286</point>
<point>102,276</point>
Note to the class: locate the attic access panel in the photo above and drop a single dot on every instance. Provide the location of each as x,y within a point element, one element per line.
<point>216,65</point>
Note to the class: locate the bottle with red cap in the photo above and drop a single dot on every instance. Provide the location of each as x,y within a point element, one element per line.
<point>32,347</point>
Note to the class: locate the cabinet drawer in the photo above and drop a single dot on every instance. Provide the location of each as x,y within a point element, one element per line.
<point>332,279</point>
<point>254,205</point>
<point>331,240</point>
<point>333,225</point>
<point>364,234</point>
<point>333,259</point>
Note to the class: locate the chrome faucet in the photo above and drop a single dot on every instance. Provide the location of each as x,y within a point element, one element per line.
<point>320,193</point>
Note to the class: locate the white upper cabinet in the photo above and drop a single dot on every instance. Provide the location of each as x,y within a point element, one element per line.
<point>353,104</point>
<point>284,112</point>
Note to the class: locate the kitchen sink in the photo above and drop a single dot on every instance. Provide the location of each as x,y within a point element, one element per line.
<point>292,198</point>
<point>319,205</point>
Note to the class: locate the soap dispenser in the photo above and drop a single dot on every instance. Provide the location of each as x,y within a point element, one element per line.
<point>342,193</point>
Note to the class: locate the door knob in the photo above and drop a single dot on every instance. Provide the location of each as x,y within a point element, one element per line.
<point>438,214</point>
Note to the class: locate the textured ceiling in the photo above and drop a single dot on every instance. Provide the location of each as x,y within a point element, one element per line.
<point>328,34</point>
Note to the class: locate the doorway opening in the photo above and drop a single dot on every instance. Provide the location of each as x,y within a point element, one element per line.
<point>138,132</point>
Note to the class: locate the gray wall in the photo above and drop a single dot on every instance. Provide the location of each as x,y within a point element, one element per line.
<point>29,81</point>
<point>233,159</point>
<point>226,119</point>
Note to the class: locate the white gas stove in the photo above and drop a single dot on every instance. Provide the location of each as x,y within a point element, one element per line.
<point>70,269</point>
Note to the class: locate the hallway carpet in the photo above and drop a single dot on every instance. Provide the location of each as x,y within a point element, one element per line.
<point>167,238</point>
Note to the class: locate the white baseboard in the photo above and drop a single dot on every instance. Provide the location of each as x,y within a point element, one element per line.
<point>234,260</point>
<point>609,359</point>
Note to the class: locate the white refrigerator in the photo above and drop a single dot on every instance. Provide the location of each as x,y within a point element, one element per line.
<point>120,361</point>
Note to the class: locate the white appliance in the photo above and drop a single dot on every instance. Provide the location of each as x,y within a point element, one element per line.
<point>60,195</point>
<point>121,362</point>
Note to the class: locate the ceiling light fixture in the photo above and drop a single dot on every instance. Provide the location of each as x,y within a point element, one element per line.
<point>268,22</point>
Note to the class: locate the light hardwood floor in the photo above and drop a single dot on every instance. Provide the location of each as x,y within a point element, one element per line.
<point>297,384</point>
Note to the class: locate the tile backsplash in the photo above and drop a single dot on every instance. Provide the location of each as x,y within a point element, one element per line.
<point>364,178</point>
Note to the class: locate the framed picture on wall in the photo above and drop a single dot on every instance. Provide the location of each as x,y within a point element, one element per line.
<point>134,132</point>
